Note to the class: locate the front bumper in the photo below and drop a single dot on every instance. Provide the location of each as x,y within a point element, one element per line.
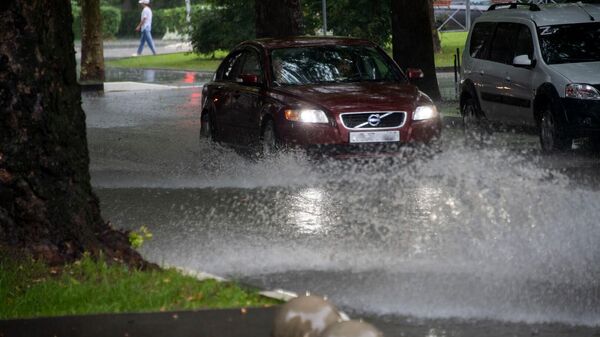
<point>583,116</point>
<point>334,134</point>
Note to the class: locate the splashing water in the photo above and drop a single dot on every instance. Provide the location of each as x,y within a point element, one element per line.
<point>466,232</point>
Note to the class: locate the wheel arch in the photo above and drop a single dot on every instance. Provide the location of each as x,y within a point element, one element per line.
<point>546,94</point>
<point>468,92</point>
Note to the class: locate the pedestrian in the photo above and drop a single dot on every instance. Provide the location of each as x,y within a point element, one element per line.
<point>145,28</point>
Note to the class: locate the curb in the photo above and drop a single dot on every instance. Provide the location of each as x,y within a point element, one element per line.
<point>276,294</point>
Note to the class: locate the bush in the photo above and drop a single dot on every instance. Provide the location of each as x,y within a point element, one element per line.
<point>129,20</point>
<point>111,20</point>
<point>222,27</point>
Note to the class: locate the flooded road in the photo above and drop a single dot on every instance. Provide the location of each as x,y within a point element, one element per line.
<point>463,241</point>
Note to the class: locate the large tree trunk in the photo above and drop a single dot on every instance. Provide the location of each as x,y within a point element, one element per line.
<point>412,41</point>
<point>437,44</point>
<point>47,206</point>
<point>92,53</point>
<point>278,18</point>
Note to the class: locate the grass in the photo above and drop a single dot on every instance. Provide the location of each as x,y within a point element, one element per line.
<point>32,289</point>
<point>450,41</point>
<point>204,62</point>
<point>178,61</point>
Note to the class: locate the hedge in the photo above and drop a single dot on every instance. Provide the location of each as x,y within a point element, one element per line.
<point>111,20</point>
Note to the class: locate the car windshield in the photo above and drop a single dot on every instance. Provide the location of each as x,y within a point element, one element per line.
<point>571,43</point>
<point>331,64</point>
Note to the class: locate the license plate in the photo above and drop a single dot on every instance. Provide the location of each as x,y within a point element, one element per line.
<point>374,137</point>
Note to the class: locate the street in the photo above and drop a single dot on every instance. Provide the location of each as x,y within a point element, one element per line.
<point>493,238</point>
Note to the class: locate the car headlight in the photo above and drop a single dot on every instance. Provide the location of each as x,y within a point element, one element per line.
<point>581,91</point>
<point>424,112</point>
<point>306,116</point>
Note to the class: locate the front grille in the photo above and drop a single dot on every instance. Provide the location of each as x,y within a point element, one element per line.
<point>360,120</point>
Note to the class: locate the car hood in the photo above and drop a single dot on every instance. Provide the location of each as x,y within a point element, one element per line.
<point>587,72</point>
<point>354,97</point>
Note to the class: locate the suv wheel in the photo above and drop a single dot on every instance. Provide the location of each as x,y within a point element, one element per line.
<point>551,136</point>
<point>473,122</point>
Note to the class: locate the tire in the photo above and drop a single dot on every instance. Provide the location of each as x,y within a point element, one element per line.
<point>207,130</point>
<point>552,136</point>
<point>269,145</point>
<point>473,120</point>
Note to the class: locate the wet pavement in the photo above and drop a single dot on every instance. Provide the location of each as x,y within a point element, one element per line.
<point>157,76</point>
<point>469,239</point>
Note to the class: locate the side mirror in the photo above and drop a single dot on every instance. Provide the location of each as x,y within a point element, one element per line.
<point>249,79</point>
<point>414,73</point>
<point>523,61</point>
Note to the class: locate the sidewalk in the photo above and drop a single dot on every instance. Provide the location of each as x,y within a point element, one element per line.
<point>127,47</point>
<point>252,322</point>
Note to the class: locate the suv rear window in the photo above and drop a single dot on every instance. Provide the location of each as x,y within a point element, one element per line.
<point>482,34</point>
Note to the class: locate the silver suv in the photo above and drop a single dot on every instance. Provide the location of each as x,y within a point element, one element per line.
<point>533,65</point>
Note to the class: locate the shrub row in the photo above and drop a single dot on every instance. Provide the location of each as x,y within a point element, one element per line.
<point>111,20</point>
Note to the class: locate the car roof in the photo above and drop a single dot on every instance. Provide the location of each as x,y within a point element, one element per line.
<point>551,14</point>
<point>300,41</point>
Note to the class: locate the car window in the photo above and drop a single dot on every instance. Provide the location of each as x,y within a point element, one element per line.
<point>252,64</point>
<point>572,43</point>
<point>321,64</point>
<point>480,38</point>
<point>232,67</point>
<point>503,44</point>
<point>524,42</point>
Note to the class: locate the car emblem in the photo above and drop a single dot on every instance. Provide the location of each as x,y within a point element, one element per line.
<point>374,120</point>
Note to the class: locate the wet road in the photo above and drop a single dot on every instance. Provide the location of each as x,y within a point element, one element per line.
<point>465,241</point>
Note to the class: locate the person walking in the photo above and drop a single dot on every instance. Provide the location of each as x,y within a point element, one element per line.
<point>145,27</point>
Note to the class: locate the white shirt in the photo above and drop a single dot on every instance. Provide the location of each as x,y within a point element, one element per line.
<point>147,14</point>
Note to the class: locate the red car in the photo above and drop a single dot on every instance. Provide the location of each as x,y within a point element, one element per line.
<point>327,93</point>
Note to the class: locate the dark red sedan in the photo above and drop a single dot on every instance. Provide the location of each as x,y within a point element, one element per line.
<point>334,93</point>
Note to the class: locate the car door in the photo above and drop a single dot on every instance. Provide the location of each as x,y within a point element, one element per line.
<point>497,92</point>
<point>477,65</point>
<point>247,97</point>
<point>224,99</point>
<point>520,81</point>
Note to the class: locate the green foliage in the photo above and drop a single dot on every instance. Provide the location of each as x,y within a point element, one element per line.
<point>174,19</point>
<point>129,20</point>
<point>450,41</point>
<point>111,20</point>
<point>32,289</point>
<point>369,19</point>
<point>223,25</point>
<point>137,238</point>
<point>76,12</point>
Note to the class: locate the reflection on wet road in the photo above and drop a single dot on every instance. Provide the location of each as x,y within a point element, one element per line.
<point>491,233</point>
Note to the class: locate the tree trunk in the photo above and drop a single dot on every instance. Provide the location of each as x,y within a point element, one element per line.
<point>47,206</point>
<point>92,53</point>
<point>437,44</point>
<point>278,18</point>
<point>412,41</point>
